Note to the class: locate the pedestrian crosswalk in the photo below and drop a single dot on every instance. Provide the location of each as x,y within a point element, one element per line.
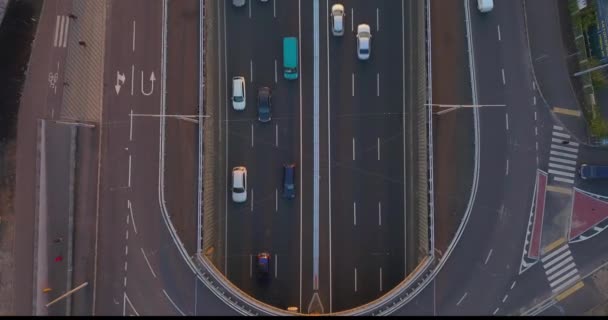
<point>61,31</point>
<point>560,269</point>
<point>562,157</point>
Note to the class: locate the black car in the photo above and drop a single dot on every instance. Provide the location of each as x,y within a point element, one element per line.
<point>264,104</point>
<point>289,181</point>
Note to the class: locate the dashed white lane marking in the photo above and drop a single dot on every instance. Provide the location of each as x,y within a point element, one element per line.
<point>489,255</point>
<point>276,265</point>
<point>251,199</point>
<point>148,262</point>
<point>275,71</point>
<point>353,149</point>
<point>355,279</point>
<point>502,71</point>
<point>129,182</point>
<point>125,267</point>
<point>130,206</point>
<point>505,298</point>
<point>377,84</point>
<point>378,148</point>
<point>252,135</point>
<point>276,200</point>
<point>507,121</point>
<point>495,311</point>
<point>352,81</point>
<point>250,70</point>
<point>379,213</point>
<point>513,285</point>
<point>354,213</point>
<point>352,19</point>
<point>380,279</point>
<point>377,19</point>
<point>498,29</point>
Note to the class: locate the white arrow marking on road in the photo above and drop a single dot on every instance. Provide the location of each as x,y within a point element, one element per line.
<point>152,79</point>
<point>120,79</point>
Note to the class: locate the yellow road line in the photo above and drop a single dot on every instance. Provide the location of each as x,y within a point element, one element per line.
<point>563,190</point>
<point>554,245</point>
<point>570,291</point>
<point>575,113</point>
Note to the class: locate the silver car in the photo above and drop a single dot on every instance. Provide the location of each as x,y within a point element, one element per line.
<point>239,184</point>
<point>337,19</point>
<point>238,3</point>
<point>364,41</point>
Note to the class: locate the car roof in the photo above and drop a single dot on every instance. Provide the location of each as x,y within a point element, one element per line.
<point>338,22</point>
<point>364,43</point>
<point>238,176</point>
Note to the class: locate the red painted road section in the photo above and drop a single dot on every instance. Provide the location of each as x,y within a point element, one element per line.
<point>587,211</point>
<point>541,179</point>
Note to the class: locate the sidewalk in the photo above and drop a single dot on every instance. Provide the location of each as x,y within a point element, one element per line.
<point>551,57</point>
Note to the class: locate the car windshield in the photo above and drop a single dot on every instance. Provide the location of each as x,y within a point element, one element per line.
<point>364,51</point>
<point>238,99</point>
<point>238,190</point>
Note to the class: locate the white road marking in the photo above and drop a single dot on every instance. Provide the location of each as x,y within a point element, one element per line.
<point>463,296</point>
<point>124,282</point>
<point>513,285</point>
<point>148,262</point>
<point>559,166</point>
<point>377,19</point>
<point>507,120</point>
<point>251,199</point>
<point>61,31</point>
<point>301,147</point>
<point>328,161</point>
<point>126,298</point>
<point>495,311</point>
<point>55,39</point>
<point>563,135</point>
<point>250,70</point>
<point>536,131</point>
<point>354,213</point>
<point>352,78</point>
<point>488,257</point>
<point>129,171</point>
<point>378,148</point>
<point>502,71</point>
<point>131,126</point>
<point>126,250</point>
<point>252,135</point>
<point>353,149</point>
<point>276,200</point>
<point>534,103</point>
<point>276,264</point>
<point>378,84</point>
<point>562,160</point>
<point>133,45</point>
<point>536,145</point>
<point>131,213</point>
<point>67,28</point>
<point>507,169</point>
<point>275,71</point>
<point>561,173</point>
<point>276,135</point>
<point>352,19</point>
<point>250,9</point>
<point>250,265</point>
<point>570,143</point>
<point>534,111</point>
<point>355,279</point>
<point>380,279</point>
<point>558,128</point>
<point>379,213</point>
<point>498,28</point>
<point>174,305</point>
<point>533,85</point>
<point>132,78</point>
<point>126,265</point>
<point>563,154</point>
<point>127,234</point>
<point>274,8</point>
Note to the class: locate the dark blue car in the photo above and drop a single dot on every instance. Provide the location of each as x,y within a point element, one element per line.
<point>264,104</point>
<point>289,181</point>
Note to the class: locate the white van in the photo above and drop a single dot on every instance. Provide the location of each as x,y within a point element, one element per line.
<point>485,5</point>
<point>238,93</point>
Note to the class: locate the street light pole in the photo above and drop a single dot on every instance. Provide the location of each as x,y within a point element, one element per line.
<point>580,73</point>
<point>65,295</point>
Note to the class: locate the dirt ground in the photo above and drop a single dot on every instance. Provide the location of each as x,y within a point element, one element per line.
<point>600,279</point>
<point>7,227</point>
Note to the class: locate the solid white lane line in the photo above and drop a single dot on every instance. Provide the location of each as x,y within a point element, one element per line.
<point>250,265</point>
<point>463,296</point>
<point>276,265</point>
<point>252,135</point>
<point>355,279</point>
<point>563,180</point>
<point>562,160</point>
<point>275,71</point>
<point>561,173</point>
<point>354,213</point>
<point>377,84</point>
<point>378,148</point>
<point>276,200</point>
<point>274,8</point>
<point>131,214</point>
<point>377,19</point>
<point>353,149</point>
<point>251,199</point>
<point>173,303</point>
<point>276,135</point>
<point>562,148</point>
<point>502,71</point>
<point>352,23</point>
<point>250,70</point>
<point>129,171</point>
<point>379,213</point>
<point>56,38</point>
<point>507,121</point>
<point>380,279</point>
<point>507,169</point>
<point>488,257</point>
<point>563,154</point>
<point>131,126</point>
<point>148,262</point>
<point>67,28</point>
<point>559,134</point>
<point>132,78</point>
<point>133,45</point>
<point>329,159</point>
<point>498,28</point>
<point>352,81</point>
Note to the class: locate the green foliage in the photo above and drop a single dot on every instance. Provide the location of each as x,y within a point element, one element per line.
<point>599,127</point>
<point>598,79</point>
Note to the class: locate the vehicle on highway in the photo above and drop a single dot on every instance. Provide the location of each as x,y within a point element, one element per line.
<point>591,172</point>
<point>337,19</point>
<point>239,184</point>
<point>364,41</point>
<point>238,3</point>
<point>263,0</point>
<point>263,263</point>
<point>290,58</point>
<point>238,93</point>
<point>485,5</point>
<point>289,183</point>
<point>264,104</point>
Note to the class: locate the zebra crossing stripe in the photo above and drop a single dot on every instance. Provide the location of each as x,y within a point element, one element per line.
<point>554,253</point>
<point>559,134</point>
<point>557,259</point>
<point>558,128</point>
<point>56,31</point>
<point>561,173</point>
<point>563,180</point>
<point>571,266</point>
<point>567,155</point>
<point>559,265</point>
<point>564,277</point>
<point>557,147</point>
<point>562,160</point>
<point>559,166</point>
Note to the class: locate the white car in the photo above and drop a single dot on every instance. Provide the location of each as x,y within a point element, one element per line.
<point>337,19</point>
<point>238,3</point>
<point>238,93</point>
<point>364,41</point>
<point>239,184</point>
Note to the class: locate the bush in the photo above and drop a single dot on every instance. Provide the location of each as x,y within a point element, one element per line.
<point>599,126</point>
